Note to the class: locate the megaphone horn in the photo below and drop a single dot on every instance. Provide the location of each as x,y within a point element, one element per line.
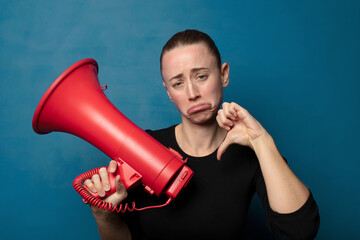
<point>75,103</point>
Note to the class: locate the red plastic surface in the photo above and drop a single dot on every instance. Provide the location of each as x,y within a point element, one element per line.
<point>180,182</point>
<point>75,104</point>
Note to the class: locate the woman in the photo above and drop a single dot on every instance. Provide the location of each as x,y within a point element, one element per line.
<point>231,154</point>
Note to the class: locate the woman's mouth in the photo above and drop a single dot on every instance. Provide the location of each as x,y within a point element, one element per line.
<point>199,107</point>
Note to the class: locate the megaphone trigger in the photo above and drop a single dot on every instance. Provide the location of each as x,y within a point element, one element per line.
<point>129,177</point>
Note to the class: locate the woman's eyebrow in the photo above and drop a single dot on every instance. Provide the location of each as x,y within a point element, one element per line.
<point>193,70</point>
<point>199,69</point>
<point>176,76</point>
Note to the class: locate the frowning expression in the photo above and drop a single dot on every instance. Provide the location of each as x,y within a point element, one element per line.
<point>194,81</point>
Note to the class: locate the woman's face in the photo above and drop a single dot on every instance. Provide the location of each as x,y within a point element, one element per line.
<point>194,82</point>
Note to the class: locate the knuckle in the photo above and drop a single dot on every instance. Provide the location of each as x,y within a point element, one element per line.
<point>95,178</point>
<point>88,182</point>
<point>123,194</point>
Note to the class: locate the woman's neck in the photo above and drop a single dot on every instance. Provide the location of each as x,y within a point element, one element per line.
<point>199,140</point>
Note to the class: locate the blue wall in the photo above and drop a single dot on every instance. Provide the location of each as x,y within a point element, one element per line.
<point>294,65</point>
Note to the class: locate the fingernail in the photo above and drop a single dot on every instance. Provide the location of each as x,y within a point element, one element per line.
<point>107,187</point>
<point>101,193</point>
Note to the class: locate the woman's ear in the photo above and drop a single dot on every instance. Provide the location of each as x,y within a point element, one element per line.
<point>167,91</point>
<point>225,69</point>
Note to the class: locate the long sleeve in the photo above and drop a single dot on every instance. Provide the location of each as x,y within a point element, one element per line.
<point>301,224</point>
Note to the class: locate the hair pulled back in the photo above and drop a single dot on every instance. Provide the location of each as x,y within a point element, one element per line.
<point>188,37</point>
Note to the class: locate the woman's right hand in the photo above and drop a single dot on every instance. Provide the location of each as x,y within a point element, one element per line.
<point>110,224</point>
<point>99,183</point>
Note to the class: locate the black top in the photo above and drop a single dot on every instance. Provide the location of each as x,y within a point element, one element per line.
<point>215,203</point>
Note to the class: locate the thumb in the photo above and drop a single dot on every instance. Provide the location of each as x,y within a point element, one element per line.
<point>120,194</point>
<point>223,146</point>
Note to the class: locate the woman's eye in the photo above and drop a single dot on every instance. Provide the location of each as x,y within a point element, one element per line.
<point>202,77</point>
<point>177,84</point>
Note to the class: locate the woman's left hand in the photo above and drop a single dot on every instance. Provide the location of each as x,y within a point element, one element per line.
<point>243,129</point>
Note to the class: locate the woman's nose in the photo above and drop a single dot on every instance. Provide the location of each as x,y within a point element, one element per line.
<point>193,92</point>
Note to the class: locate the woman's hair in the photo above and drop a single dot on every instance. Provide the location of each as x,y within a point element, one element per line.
<point>189,37</point>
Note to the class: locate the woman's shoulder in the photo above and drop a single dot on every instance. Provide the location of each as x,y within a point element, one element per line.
<point>162,131</point>
<point>164,135</point>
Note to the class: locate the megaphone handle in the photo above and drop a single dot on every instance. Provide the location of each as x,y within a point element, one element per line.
<point>93,198</point>
<point>129,177</point>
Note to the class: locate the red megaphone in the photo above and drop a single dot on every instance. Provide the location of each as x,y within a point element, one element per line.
<point>75,104</point>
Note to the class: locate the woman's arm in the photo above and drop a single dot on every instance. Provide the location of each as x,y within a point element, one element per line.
<point>286,193</point>
<point>110,224</point>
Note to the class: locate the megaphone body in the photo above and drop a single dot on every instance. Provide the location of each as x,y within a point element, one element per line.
<point>75,104</point>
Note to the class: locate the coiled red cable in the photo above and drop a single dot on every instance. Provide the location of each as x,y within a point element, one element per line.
<point>90,199</point>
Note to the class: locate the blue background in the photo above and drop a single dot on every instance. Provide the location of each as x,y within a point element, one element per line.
<point>294,65</point>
